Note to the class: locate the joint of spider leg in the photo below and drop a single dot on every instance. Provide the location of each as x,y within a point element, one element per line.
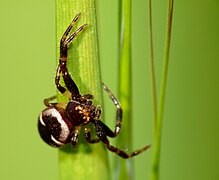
<point>98,112</point>
<point>75,134</point>
<point>86,97</point>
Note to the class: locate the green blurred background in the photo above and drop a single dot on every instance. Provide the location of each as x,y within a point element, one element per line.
<point>191,123</point>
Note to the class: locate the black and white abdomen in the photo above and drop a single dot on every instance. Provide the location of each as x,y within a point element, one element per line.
<point>54,127</point>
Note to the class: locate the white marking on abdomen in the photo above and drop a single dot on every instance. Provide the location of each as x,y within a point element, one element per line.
<point>56,141</point>
<point>65,130</point>
<point>41,120</point>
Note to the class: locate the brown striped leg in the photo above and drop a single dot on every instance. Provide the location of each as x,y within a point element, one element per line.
<point>57,79</point>
<point>63,53</point>
<point>74,139</point>
<point>118,109</point>
<point>69,82</point>
<point>63,90</point>
<point>88,136</point>
<point>103,131</point>
<point>86,97</point>
<point>98,112</point>
<point>122,153</point>
<point>70,27</point>
<point>71,37</point>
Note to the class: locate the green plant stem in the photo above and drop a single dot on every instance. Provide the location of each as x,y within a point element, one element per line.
<point>154,94</point>
<point>158,129</point>
<point>124,169</point>
<point>86,161</point>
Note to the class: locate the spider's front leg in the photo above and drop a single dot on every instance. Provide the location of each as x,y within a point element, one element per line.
<point>69,82</point>
<point>57,80</point>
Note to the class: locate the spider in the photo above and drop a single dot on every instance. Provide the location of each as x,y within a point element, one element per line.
<point>60,123</point>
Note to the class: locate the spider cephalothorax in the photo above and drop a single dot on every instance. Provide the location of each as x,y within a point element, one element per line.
<point>60,123</point>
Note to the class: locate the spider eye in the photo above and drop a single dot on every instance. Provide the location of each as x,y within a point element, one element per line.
<point>54,127</point>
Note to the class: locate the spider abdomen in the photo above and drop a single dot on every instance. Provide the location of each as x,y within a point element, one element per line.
<point>54,127</point>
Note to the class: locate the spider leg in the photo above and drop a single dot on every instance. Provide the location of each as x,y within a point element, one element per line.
<point>88,136</point>
<point>57,105</point>
<point>86,97</point>
<point>74,139</point>
<point>69,82</point>
<point>122,153</point>
<point>98,112</point>
<point>59,86</point>
<point>102,134</point>
<point>70,27</point>
<point>71,37</point>
<point>118,108</point>
<point>57,79</point>
<point>47,101</point>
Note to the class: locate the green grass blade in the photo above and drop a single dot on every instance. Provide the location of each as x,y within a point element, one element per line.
<point>123,168</point>
<point>158,129</point>
<point>153,80</point>
<point>88,161</point>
